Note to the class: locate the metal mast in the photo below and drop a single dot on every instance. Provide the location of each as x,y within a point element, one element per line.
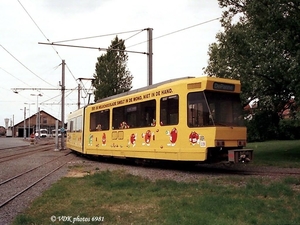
<point>150,54</point>
<point>63,106</point>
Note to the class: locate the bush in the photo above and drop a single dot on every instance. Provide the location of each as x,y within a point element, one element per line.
<point>263,126</point>
<point>289,129</point>
<point>267,126</point>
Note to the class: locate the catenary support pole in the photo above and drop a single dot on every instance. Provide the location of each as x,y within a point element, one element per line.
<point>150,54</point>
<point>56,136</point>
<point>78,104</point>
<point>62,146</point>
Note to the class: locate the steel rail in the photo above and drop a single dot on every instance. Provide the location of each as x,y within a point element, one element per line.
<point>21,154</point>
<point>31,185</point>
<point>16,176</point>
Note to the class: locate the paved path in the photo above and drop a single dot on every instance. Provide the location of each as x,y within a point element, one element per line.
<point>8,142</point>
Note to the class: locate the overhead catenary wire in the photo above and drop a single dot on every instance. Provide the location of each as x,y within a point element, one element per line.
<point>97,36</point>
<point>14,77</point>
<point>70,71</point>
<point>97,48</point>
<point>35,23</point>
<point>113,47</point>
<point>140,30</point>
<point>177,31</point>
<point>44,36</point>
<point>38,28</point>
<point>24,65</point>
<point>127,38</point>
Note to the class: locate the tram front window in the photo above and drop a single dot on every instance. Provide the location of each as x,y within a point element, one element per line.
<point>214,109</point>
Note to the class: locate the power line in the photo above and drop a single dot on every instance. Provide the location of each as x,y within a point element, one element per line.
<point>97,48</point>
<point>44,36</point>
<point>208,21</point>
<point>103,35</point>
<point>70,72</point>
<point>33,21</point>
<point>25,66</point>
<point>14,76</point>
<point>140,30</point>
<point>39,28</point>
<point>128,38</point>
<point>186,28</point>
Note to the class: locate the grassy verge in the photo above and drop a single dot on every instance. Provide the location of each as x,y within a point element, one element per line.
<point>120,198</point>
<point>276,153</point>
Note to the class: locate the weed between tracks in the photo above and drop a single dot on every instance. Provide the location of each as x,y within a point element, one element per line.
<point>121,198</point>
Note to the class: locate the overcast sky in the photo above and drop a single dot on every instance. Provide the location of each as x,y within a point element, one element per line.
<point>27,64</point>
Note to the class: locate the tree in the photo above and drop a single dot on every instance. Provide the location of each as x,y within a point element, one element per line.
<point>111,74</point>
<point>262,49</point>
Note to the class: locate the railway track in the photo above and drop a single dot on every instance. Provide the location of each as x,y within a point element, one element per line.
<point>247,170</point>
<point>277,173</point>
<point>13,187</point>
<point>204,169</point>
<point>15,154</point>
<point>15,192</point>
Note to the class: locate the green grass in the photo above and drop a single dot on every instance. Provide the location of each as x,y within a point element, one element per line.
<point>121,198</point>
<point>276,153</point>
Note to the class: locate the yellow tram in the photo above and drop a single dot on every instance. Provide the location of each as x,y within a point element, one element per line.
<point>186,119</point>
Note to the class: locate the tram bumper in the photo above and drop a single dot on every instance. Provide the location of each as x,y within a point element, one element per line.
<point>240,155</point>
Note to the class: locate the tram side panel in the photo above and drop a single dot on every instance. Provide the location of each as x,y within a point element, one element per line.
<point>184,122</point>
<point>168,139</point>
<point>75,130</point>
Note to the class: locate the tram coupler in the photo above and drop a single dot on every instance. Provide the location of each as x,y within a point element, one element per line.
<point>240,155</point>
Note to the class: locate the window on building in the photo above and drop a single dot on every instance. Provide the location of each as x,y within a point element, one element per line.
<point>44,120</point>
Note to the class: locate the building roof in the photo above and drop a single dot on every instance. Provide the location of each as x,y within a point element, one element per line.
<point>33,116</point>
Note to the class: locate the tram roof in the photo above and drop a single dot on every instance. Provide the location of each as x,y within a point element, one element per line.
<point>142,89</point>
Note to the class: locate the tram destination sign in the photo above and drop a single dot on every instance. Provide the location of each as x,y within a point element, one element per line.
<point>223,86</point>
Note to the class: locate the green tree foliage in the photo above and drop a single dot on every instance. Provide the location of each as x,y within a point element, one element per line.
<point>260,45</point>
<point>111,74</point>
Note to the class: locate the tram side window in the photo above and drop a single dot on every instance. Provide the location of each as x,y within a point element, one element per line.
<point>147,114</point>
<point>118,118</point>
<point>198,113</point>
<point>99,120</point>
<point>135,115</point>
<point>70,126</point>
<point>169,110</point>
<point>78,124</point>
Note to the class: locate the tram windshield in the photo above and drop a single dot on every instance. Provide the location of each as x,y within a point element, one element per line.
<point>214,109</point>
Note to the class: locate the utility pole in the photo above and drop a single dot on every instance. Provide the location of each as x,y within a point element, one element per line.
<point>62,131</point>
<point>150,54</point>
<point>78,105</point>
<point>24,123</point>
